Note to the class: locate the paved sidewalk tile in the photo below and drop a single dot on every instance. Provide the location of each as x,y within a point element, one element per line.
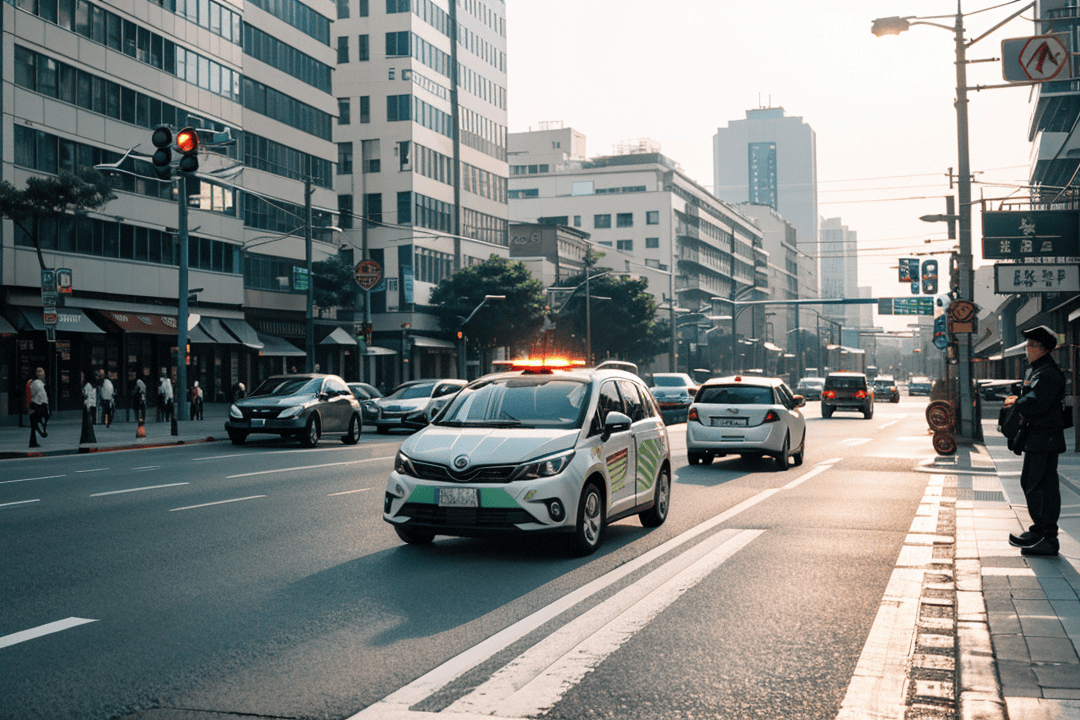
<point>1054,650</point>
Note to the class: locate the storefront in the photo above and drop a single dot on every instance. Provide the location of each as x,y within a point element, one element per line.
<point>275,357</point>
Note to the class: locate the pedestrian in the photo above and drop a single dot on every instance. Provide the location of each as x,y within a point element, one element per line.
<point>165,398</point>
<point>89,393</point>
<point>196,411</point>
<point>1041,439</point>
<point>140,400</point>
<point>107,400</point>
<point>239,391</point>
<point>38,407</point>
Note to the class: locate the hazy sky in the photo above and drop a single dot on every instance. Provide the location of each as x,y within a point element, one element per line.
<point>882,108</point>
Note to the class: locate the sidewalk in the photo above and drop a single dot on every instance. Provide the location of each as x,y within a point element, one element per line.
<point>1016,615</point>
<point>65,432</point>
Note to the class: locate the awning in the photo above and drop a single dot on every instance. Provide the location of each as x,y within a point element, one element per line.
<point>1016,350</point>
<point>273,346</point>
<point>67,320</point>
<point>372,350</point>
<point>244,332</point>
<point>143,322</point>
<point>773,347</point>
<point>338,337</point>
<point>214,331</point>
<point>421,341</point>
<point>7,328</point>
<point>196,336</point>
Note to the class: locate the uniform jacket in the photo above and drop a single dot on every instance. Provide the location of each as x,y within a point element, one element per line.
<point>1040,406</point>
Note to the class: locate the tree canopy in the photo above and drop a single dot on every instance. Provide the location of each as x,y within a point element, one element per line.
<point>334,285</point>
<point>513,321</point>
<point>52,196</point>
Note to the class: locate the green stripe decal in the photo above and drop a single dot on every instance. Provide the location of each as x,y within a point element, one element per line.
<point>423,494</point>
<point>496,497</point>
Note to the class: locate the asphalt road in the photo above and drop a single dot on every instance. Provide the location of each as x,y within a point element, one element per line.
<point>261,580</point>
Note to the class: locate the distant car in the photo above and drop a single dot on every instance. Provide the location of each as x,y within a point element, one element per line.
<point>919,385</point>
<point>810,387</point>
<point>618,365</point>
<point>885,389</point>
<point>305,407</point>
<point>366,395</point>
<point>674,392</point>
<point>748,416</point>
<point>411,399</point>
<point>847,391</point>
<point>444,392</point>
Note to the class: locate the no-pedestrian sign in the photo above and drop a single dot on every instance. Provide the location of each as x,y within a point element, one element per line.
<point>368,273</point>
<point>1036,59</point>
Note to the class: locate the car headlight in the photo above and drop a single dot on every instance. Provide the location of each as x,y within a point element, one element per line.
<point>291,412</point>
<point>403,464</point>
<point>544,467</point>
<point>234,412</point>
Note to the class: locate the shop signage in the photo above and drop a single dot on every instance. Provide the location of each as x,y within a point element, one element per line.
<point>1031,278</point>
<point>1020,234</point>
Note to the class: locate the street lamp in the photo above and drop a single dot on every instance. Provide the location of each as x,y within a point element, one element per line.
<point>969,425</point>
<point>462,360</point>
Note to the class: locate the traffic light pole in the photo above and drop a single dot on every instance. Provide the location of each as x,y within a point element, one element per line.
<point>180,396</point>
<point>309,315</point>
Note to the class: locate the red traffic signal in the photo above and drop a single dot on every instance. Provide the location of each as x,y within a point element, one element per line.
<point>187,142</point>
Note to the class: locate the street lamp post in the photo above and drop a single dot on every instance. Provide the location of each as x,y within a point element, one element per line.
<point>969,425</point>
<point>462,363</point>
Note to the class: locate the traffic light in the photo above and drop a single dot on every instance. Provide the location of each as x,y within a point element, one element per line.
<point>162,139</point>
<point>365,329</point>
<point>929,277</point>
<point>187,142</point>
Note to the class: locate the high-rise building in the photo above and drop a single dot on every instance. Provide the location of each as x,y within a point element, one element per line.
<point>839,270</point>
<point>91,79</point>
<point>421,156</point>
<point>770,159</point>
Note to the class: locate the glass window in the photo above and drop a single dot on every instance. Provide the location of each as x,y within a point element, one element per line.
<point>47,76</point>
<point>343,50</point>
<point>343,111</point>
<point>652,243</point>
<point>364,48</point>
<point>627,245</point>
<point>632,401</point>
<point>365,109</point>
<point>652,217</point>
<point>345,158</point>
<point>624,220</point>
<point>25,68</point>
<point>363,9</point>
<point>601,221</point>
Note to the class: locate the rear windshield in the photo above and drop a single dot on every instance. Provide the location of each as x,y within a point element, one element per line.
<point>412,392</point>
<point>670,382</point>
<point>735,395</point>
<point>845,383</point>
<point>883,383</point>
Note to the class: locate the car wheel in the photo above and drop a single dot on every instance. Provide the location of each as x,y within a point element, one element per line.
<point>797,457</point>
<point>706,459</point>
<point>826,412</point>
<point>657,514</point>
<point>382,429</point>
<point>238,438</point>
<point>783,459</point>
<point>896,399</point>
<point>414,537</point>
<point>868,413</point>
<point>589,529</point>
<point>310,438</point>
<point>353,435</point>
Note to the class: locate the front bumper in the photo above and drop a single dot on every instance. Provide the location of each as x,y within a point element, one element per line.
<point>273,426</point>
<point>767,437</point>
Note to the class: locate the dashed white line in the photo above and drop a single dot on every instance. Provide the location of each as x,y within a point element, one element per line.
<point>46,477</point>
<point>307,467</point>
<point>148,467</point>
<point>219,502</point>
<point>53,627</point>
<point>348,492</point>
<point>90,471</point>
<point>889,424</point>
<point>149,487</point>
<point>800,480</point>
<point>20,502</point>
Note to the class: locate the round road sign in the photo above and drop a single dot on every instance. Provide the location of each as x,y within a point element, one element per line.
<point>1043,57</point>
<point>367,274</point>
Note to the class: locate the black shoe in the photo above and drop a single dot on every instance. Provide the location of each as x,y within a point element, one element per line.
<point>1024,540</point>
<point>1045,547</point>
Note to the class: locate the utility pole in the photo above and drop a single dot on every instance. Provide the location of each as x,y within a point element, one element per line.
<point>309,316</point>
<point>180,396</point>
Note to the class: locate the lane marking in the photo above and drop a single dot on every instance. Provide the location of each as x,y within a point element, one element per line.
<point>46,477</point>
<point>219,502</point>
<point>830,461</point>
<point>348,492</point>
<point>327,448</point>
<point>538,678</point>
<point>307,467</point>
<point>800,480</point>
<point>53,627</point>
<point>20,502</point>
<point>149,487</point>
<point>77,472</point>
<point>889,424</point>
<point>852,442</point>
<point>148,467</point>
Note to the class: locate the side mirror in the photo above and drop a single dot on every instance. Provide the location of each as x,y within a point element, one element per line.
<point>323,396</point>
<point>615,422</point>
<point>415,421</point>
<point>800,401</point>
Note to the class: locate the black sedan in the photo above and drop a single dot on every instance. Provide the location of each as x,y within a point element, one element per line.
<point>367,395</point>
<point>885,389</point>
<point>305,407</point>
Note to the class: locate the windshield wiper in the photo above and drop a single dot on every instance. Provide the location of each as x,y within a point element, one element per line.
<point>483,423</point>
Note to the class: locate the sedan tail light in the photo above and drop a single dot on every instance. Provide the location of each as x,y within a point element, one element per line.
<point>830,394</point>
<point>693,415</point>
<point>771,416</point>
<point>860,394</point>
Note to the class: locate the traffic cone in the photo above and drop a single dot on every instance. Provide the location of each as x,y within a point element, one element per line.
<point>87,437</point>
<point>140,432</point>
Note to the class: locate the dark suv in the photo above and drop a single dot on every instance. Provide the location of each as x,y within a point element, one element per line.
<point>847,391</point>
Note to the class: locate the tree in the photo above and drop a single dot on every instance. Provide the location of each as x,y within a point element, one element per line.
<point>335,285</point>
<point>47,197</point>
<point>513,321</point>
<point>624,327</point>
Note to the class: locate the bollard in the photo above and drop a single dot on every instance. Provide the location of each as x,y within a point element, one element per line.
<point>87,437</point>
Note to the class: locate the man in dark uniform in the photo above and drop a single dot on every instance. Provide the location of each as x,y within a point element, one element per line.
<point>1040,405</point>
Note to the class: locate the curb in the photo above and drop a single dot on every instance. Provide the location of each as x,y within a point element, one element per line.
<point>87,449</point>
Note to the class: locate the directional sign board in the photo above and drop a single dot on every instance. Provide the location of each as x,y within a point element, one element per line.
<point>1036,59</point>
<point>906,306</point>
<point>1031,278</point>
<point>368,273</point>
<point>1020,234</point>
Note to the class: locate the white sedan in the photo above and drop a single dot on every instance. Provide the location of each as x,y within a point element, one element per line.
<point>748,416</point>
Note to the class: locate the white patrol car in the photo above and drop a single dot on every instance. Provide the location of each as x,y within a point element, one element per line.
<point>538,448</point>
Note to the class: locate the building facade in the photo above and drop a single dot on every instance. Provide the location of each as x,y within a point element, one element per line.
<point>839,270</point>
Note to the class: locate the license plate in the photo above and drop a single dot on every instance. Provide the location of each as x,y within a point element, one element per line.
<point>458,497</point>
<point>257,422</point>
<point>729,422</point>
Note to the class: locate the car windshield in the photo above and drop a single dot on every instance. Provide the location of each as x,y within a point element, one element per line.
<point>846,383</point>
<point>412,392</point>
<point>284,386</point>
<point>368,390</point>
<point>659,381</point>
<point>811,383</point>
<point>538,401</point>
<point>883,383</point>
<point>736,395</point>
